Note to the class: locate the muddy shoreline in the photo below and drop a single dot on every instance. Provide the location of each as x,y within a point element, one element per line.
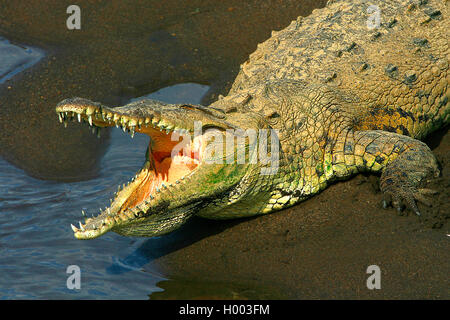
<point>319,249</point>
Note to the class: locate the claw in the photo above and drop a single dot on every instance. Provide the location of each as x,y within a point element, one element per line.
<point>398,199</point>
<point>427,191</point>
<point>419,197</point>
<point>397,203</point>
<point>387,200</point>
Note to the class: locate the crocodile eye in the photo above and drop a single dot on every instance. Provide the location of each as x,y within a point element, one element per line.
<point>273,115</point>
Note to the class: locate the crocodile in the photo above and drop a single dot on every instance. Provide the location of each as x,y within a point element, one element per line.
<point>353,87</point>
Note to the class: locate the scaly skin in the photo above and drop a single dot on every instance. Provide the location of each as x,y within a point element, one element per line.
<point>344,99</point>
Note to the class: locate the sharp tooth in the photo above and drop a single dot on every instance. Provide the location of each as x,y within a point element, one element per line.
<point>74,228</point>
<point>90,120</point>
<point>83,213</point>
<point>157,189</point>
<point>60,118</point>
<point>124,129</point>
<point>79,117</point>
<point>81,226</point>
<point>151,197</point>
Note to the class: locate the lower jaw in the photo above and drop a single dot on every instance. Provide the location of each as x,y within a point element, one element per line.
<point>153,225</point>
<point>134,203</point>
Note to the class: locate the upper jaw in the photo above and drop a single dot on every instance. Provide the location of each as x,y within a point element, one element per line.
<point>141,115</point>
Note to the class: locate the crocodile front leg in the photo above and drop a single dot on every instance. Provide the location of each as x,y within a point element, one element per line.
<point>404,164</point>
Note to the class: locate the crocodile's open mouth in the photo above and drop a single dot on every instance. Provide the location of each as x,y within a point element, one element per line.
<point>171,158</point>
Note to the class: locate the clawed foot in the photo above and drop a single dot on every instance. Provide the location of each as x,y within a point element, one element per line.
<point>409,197</point>
<point>402,181</point>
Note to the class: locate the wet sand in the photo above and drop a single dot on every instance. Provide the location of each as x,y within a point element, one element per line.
<point>318,249</point>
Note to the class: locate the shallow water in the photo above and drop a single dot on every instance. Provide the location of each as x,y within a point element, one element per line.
<point>37,243</point>
<point>16,58</point>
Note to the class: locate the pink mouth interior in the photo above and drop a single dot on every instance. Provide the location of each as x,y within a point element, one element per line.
<point>165,168</point>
